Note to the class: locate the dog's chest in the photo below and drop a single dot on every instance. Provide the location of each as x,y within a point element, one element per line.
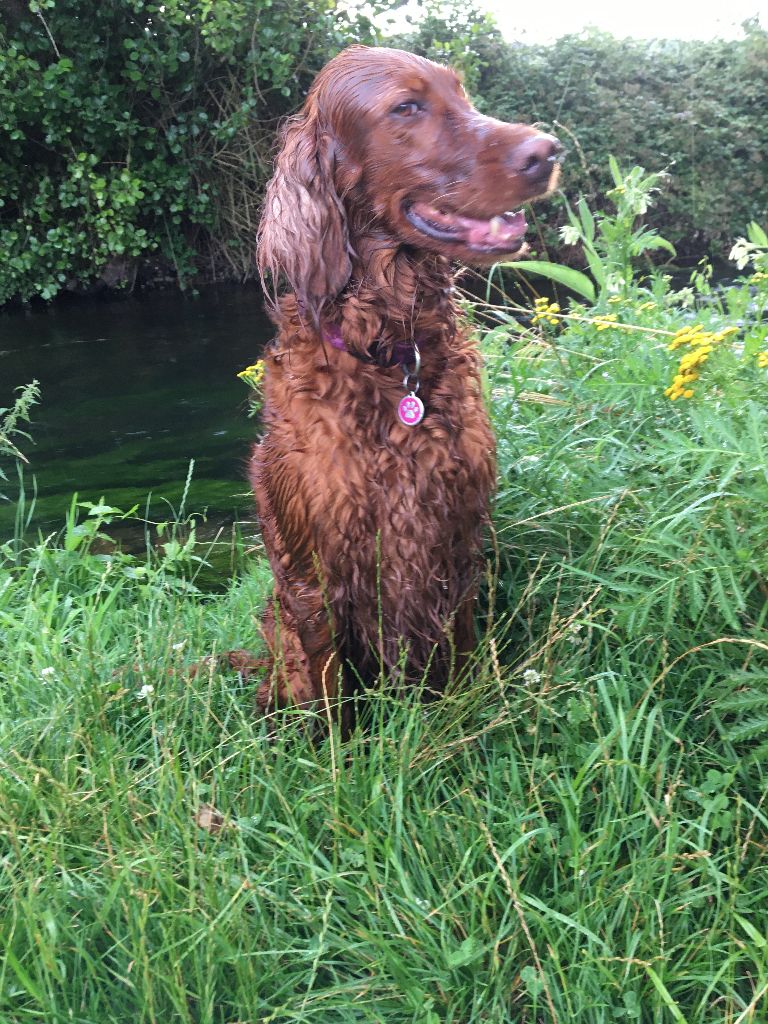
<point>392,480</point>
<point>390,516</point>
<point>356,477</point>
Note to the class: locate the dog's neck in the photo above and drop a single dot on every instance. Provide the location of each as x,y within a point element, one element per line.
<point>395,294</point>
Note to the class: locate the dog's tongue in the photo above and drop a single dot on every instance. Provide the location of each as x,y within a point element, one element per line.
<point>499,231</point>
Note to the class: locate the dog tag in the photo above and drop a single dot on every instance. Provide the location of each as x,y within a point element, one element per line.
<point>411,410</point>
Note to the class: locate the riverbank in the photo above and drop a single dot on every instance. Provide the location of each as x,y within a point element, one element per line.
<point>579,832</point>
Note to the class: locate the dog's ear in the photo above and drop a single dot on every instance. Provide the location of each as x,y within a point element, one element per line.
<point>303,234</point>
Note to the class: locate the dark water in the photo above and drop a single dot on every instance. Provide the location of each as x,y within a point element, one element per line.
<point>132,389</point>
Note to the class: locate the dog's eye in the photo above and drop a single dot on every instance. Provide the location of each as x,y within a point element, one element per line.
<point>407,109</point>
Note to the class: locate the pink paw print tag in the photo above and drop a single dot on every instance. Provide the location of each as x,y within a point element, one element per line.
<point>410,410</point>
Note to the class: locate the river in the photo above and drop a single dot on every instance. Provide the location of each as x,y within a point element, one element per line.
<point>132,390</point>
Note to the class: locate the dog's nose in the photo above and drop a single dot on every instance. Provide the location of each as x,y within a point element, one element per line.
<point>536,157</point>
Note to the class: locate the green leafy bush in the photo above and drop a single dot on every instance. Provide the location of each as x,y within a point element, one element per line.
<point>135,128</point>
<point>136,136</point>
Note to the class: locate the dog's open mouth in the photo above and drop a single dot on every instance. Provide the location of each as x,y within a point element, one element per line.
<point>503,233</point>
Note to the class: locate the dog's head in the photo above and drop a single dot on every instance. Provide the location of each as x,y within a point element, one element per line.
<point>388,142</point>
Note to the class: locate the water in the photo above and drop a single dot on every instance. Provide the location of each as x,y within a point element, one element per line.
<point>132,389</point>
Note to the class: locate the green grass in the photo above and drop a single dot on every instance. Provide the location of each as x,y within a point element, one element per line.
<point>526,850</point>
<point>578,835</point>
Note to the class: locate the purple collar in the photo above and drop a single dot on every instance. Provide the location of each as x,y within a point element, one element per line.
<point>410,408</point>
<point>402,352</point>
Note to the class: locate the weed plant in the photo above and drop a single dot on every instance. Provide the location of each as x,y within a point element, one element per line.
<point>577,834</point>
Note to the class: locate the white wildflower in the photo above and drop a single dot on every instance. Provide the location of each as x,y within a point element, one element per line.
<point>146,691</point>
<point>48,673</point>
<point>531,677</point>
<point>573,634</point>
<point>741,253</point>
<point>615,283</point>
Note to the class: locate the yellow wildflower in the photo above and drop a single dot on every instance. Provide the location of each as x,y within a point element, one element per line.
<point>546,310</point>
<point>253,374</point>
<point>762,360</point>
<point>603,323</point>
<point>700,344</point>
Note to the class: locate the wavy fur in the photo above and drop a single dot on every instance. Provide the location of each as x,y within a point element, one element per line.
<point>374,529</point>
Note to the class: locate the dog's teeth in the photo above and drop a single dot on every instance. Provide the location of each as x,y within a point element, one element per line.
<point>496,226</point>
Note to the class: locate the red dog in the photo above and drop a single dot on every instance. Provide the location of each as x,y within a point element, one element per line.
<point>374,475</point>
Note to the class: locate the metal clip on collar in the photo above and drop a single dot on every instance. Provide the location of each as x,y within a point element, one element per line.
<point>410,410</point>
<point>412,373</point>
